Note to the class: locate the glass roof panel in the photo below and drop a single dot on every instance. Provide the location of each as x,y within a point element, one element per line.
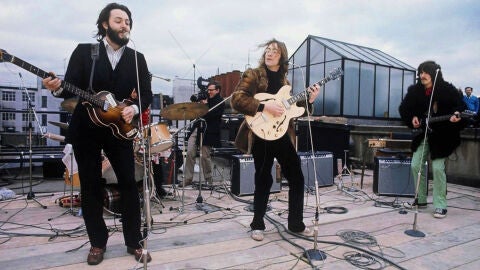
<point>335,47</point>
<point>361,53</point>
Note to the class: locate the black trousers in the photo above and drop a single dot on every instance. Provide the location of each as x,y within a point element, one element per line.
<point>264,153</point>
<point>87,149</point>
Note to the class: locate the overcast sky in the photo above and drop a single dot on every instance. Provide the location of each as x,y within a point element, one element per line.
<point>219,36</point>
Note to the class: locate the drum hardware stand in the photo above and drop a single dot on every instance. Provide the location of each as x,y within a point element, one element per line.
<point>181,208</point>
<point>199,203</point>
<point>175,170</point>
<point>344,171</point>
<point>31,194</point>
<point>154,194</point>
<point>222,176</point>
<point>178,112</point>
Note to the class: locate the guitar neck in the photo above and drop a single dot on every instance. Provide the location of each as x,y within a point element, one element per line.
<point>303,95</point>
<point>439,118</point>
<point>65,85</point>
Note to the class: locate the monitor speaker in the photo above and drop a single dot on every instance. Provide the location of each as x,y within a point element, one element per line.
<point>243,176</point>
<point>324,168</point>
<point>393,177</point>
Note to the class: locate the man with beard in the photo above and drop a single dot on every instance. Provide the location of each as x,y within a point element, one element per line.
<point>108,65</point>
<point>433,96</point>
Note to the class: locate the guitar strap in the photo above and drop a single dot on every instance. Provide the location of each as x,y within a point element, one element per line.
<point>94,54</point>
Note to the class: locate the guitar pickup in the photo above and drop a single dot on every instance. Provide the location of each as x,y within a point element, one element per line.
<point>111,101</point>
<point>132,132</point>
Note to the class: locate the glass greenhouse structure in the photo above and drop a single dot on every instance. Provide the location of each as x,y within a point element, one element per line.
<point>372,86</point>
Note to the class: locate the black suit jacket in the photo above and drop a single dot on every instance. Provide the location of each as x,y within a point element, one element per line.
<point>119,82</point>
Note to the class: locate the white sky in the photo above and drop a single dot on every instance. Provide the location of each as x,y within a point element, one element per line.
<point>219,36</point>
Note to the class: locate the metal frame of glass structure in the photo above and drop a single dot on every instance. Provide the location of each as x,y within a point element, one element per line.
<point>372,86</point>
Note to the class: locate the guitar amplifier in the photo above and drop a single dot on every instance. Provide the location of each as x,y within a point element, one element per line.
<point>324,168</point>
<point>393,177</point>
<point>243,176</point>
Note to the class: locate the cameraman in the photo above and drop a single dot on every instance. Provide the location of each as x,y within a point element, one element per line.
<point>211,132</point>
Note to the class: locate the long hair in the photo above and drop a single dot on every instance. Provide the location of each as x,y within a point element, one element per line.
<point>283,55</point>
<point>430,67</point>
<point>105,15</point>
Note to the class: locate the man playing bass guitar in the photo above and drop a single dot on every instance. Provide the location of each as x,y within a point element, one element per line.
<point>112,68</point>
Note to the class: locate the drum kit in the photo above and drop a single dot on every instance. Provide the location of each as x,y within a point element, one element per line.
<point>153,140</point>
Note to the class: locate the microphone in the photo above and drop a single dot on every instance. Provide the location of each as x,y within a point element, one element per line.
<point>127,35</point>
<point>55,137</point>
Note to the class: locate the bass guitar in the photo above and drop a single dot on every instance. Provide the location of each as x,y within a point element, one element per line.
<point>271,128</point>
<point>436,119</point>
<point>102,107</point>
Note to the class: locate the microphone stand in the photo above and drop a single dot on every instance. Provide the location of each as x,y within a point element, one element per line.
<point>414,232</point>
<point>31,194</point>
<point>315,253</point>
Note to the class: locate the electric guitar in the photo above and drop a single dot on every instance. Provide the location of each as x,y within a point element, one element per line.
<point>436,119</point>
<point>271,128</point>
<point>102,108</point>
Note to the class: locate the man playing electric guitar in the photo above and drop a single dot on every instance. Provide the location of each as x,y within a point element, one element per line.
<point>431,95</point>
<point>112,68</point>
<point>269,77</point>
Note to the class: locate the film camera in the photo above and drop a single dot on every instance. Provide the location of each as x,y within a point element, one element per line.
<point>203,93</point>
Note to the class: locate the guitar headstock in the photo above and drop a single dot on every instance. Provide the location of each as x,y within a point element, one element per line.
<point>335,74</point>
<point>4,56</point>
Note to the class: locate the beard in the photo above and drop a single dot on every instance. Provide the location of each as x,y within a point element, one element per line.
<point>114,37</point>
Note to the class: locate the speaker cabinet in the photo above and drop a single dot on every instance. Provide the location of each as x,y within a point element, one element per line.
<point>243,176</point>
<point>324,168</point>
<point>393,177</point>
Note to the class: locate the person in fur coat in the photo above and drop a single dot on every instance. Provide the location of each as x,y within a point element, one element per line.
<point>433,96</point>
<point>269,77</point>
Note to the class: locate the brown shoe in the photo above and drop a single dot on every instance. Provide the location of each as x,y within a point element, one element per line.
<point>138,254</point>
<point>95,256</point>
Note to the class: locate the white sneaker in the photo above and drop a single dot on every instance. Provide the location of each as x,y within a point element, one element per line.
<point>307,232</point>
<point>257,235</point>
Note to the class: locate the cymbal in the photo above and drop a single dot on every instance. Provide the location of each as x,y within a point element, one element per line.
<point>184,111</point>
<point>69,104</point>
<point>59,124</point>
